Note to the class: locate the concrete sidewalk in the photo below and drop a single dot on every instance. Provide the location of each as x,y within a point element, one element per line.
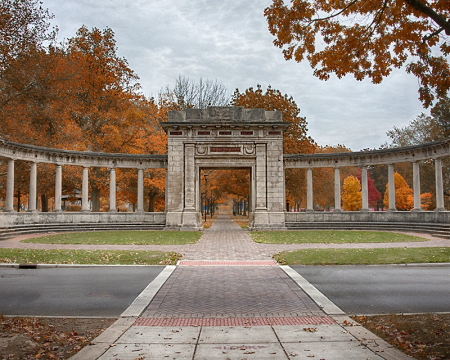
<point>230,301</point>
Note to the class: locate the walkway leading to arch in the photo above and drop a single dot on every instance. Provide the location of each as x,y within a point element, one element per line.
<point>228,300</point>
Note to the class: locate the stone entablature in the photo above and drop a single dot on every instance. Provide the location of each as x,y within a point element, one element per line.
<point>434,150</point>
<point>39,154</point>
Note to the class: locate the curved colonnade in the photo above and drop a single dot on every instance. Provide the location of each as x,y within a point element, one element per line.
<point>36,154</point>
<point>12,152</point>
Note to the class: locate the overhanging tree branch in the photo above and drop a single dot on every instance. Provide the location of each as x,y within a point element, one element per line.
<point>438,19</point>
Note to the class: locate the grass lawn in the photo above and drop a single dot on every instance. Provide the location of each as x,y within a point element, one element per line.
<point>121,238</point>
<point>363,256</point>
<point>330,236</point>
<point>97,257</point>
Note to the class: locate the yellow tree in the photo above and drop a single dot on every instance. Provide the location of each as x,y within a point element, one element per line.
<point>351,194</point>
<point>367,39</point>
<point>404,199</point>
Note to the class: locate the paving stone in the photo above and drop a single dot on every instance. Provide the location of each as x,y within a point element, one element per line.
<point>149,351</point>
<point>235,335</point>
<point>240,351</point>
<point>160,335</point>
<point>338,350</point>
<point>310,333</point>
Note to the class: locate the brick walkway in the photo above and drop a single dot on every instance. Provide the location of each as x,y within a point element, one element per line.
<point>220,291</point>
<point>230,291</point>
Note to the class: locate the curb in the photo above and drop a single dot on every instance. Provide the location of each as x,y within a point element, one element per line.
<point>324,303</point>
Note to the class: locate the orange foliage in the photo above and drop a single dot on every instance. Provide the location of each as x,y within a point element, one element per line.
<point>367,39</point>
<point>404,198</point>
<point>351,194</point>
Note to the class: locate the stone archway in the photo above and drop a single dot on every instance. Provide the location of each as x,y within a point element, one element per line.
<point>225,137</point>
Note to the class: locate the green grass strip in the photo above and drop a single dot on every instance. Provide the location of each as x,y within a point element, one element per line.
<point>330,236</point>
<point>96,257</point>
<point>364,256</point>
<point>121,238</point>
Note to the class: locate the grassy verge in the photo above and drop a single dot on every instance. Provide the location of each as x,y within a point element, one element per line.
<point>121,238</point>
<point>330,236</point>
<point>96,257</point>
<point>363,256</point>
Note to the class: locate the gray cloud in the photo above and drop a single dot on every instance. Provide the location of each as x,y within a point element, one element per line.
<point>229,41</point>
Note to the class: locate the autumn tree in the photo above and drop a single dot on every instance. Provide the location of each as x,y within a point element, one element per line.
<point>404,198</point>
<point>367,39</point>
<point>426,201</point>
<point>199,94</point>
<point>373,194</point>
<point>24,30</point>
<point>423,129</point>
<point>351,194</point>
<point>295,140</point>
<point>323,178</point>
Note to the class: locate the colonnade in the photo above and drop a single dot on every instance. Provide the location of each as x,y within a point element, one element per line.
<point>85,206</point>
<point>391,193</point>
<point>35,155</point>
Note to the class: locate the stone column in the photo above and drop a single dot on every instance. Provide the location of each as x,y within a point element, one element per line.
<point>261,177</point>
<point>252,189</point>
<point>337,189</point>
<point>140,191</point>
<point>189,177</point>
<point>112,190</point>
<point>364,189</point>
<point>10,187</point>
<point>439,186</point>
<point>309,191</point>
<point>33,181</point>
<point>416,186</point>
<point>166,190</point>
<point>391,182</point>
<point>58,188</point>
<point>85,191</point>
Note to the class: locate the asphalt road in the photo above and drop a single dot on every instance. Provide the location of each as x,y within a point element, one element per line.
<point>108,291</point>
<point>383,289</point>
<point>91,291</point>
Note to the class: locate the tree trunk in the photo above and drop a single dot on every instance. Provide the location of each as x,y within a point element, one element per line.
<point>18,200</point>
<point>95,197</point>
<point>44,201</point>
<point>151,202</point>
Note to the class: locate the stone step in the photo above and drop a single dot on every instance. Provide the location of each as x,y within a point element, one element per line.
<point>440,230</point>
<point>15,230</point>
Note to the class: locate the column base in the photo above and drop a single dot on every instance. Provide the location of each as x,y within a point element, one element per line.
<point>440,209</point>
<point>268,220</point>
<point>59,211</point>
<point>183,220</point>
<point>417,210</point>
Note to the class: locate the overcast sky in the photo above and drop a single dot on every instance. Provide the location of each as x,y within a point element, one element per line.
<point>228,40</point>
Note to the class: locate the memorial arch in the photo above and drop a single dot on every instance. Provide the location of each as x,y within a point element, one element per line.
<point>225,138</point>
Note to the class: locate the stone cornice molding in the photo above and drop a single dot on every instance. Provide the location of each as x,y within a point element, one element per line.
<point>39,154</point>
<point>225,116</point>
<point>433,150</point>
